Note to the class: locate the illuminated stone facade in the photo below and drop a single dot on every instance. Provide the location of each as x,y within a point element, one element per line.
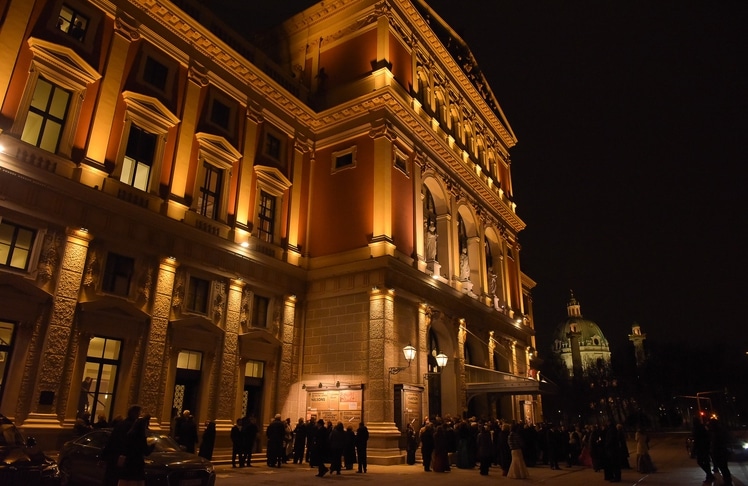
<point>198,222</point>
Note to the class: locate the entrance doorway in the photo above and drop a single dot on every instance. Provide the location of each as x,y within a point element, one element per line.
<point>187,382</point>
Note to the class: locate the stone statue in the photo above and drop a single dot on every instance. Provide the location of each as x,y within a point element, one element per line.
<point>492,280</point>
<point>431,237</point>
<point>464,265</point>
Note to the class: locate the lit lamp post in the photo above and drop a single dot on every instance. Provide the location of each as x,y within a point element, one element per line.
<point>441,362</point>
<point>410,354</point>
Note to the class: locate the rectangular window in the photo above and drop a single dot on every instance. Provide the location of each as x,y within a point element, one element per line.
<point>210,192</point>
<point>155,74</point>
<point>6,346</point>
<point>260,311</point>
<point>272,146</point>
<point>254,369</point>
<point>100,377</point>
<point>136,167</point>
<point>72,23</point>
<point>16,243</point>
<point>220,114</point>
<point>344,160</point>
<point>46,116</point>
<point>118,274</point>
<point>190,360</point>
<point>266,226</point>
<point>197,295</point>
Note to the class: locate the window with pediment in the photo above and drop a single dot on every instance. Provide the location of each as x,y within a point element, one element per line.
<point>147,125</point>
<point>271,186</point>
<point>51,101</point>
<point>217,157</point>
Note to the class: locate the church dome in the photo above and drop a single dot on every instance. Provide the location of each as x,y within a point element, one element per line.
<point>591,341</point>
<point>590,333</point>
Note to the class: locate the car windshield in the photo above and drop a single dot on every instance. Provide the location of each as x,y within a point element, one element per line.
<point>162,443</point>
<point>10,436</point>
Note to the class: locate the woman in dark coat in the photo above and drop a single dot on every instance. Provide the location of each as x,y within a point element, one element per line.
<point>299,441</point>
<point>411,444</point>
<point>320,449</point>
<point>135,449</point>
<point>349,449</point>
<point>485,449</point>
<point>209,441</point>
<point>336,444</point>
<point>505,454</point>
<point>427,445</point>
<point>362,438</point>
<point>441,449</point>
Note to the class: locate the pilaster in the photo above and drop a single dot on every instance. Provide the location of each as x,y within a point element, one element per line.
<point>383,447</point>
<point>245,207</point>
<point>125,33</point>
<point>460,369</point>
<point>196,81</point>
<point>49,398</point>
<point>383,136</point>
<point>12,37</point>
<point>286,374</point>
<point>152,389</point>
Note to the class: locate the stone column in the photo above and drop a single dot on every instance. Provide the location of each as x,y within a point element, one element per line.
<point>381,242</point>
<point>419,244</point>
<point>12,37</point>
<point>491,350</point>
<point>196,80</point>
<point>515,365</point>
<point>125,33</point>
<point>576,354</point>
<point>379,404</point>
<point>286,374</point>
<point>424,321</point>
<point>231,375</point>
<point>245,207</point>
<point>48,397</point>
<point>460,368</point>
<point>301,148</point>
<point>153,382</point>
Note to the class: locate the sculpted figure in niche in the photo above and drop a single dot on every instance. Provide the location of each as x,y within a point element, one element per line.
<point>431,237</point>
<point>492,280</point>
<point>464,265</point>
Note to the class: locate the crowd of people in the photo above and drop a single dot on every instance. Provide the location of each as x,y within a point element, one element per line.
<point>315,442</point>
<point>444,442</point>
<point>467,443</point>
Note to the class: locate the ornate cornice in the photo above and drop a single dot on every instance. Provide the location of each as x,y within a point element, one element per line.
<point>438,51</point>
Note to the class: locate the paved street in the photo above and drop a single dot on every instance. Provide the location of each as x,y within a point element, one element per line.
<point>675,468</point>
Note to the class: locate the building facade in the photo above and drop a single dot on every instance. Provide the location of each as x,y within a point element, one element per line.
<point>192,221</point>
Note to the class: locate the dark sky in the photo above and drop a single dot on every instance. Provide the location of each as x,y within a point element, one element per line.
<point>631,118</point>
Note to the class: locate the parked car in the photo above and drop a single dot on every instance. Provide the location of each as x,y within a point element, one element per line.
<point>81,462</point>
<point>21,462</point>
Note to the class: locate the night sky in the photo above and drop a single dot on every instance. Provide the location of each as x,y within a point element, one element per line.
<point>631,118</point>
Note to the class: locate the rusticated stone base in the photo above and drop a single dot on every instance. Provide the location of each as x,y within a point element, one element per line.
<point>384,444</point>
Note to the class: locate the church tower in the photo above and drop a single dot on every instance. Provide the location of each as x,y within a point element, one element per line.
<point>637,337</point>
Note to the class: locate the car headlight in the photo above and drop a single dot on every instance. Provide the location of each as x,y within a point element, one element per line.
<point>744,445</point>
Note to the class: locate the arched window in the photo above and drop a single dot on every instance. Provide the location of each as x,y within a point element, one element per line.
<point>461,233</point>
<point>489,255</point>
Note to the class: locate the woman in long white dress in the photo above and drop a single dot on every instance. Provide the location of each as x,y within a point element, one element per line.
<point>518,468</point>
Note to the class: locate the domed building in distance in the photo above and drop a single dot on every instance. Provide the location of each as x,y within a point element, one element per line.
<point>579,342</point>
